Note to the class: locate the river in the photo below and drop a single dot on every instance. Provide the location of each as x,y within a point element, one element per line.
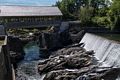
<point>27,68</point>
<point>107,52</point>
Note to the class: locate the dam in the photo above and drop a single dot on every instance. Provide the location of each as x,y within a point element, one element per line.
<point>107,52</point>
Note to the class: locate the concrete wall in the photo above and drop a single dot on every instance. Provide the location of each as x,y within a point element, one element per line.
<point>5,65</point>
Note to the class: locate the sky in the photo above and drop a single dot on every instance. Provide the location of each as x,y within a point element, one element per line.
<point>28,2</point>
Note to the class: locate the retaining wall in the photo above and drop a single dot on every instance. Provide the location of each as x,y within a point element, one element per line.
<point>5,65</point>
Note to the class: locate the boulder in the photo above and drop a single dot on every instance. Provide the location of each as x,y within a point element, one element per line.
<point>65,74</point>
<point>66,58</point>
<point>16,50</point>
<point>76,38</point>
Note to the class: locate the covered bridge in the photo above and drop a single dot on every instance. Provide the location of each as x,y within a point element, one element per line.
<point>29,16</point>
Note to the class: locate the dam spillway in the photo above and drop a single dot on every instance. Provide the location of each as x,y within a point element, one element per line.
<point>106,51</point>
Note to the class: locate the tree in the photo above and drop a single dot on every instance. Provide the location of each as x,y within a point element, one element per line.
<point>85,14</point>
<point>114,14</point>
<point>67,7</point>
<point>101,12</point>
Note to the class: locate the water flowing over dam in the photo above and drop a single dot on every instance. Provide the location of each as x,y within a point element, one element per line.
<point>106,51</point>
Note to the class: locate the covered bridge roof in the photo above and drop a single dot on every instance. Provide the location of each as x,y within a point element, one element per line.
<point>29,11</point>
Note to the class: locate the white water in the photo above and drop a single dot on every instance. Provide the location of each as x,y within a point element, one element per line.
<point>106,51</point>
<point>27,69</point>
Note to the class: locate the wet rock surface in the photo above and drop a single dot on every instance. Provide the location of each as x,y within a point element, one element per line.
<point>65,74</point>
<point>76,38</point>
<point>16,45</point>
<point>55,40</point>
<point>75,63</point>
<point>71,58</point>
<point>16,50</point>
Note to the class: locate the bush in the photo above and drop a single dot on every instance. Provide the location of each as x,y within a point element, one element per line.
<point>85,14</point>
<point>101,21</point>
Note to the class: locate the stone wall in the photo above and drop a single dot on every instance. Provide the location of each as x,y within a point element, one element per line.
<point>5,65</point>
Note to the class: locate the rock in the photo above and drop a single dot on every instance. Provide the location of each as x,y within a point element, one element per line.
<point>111,74</point>
<point>76,38</point>
<point>65,74</point>
<point>49,41</point>
<point>65,38</point>
<point>67,58</point>
<point>76,45</point>
<point>103,74</point>
<point>44,53</point>
<point>16,50</point>
<point>54,40</point>
<point>17,56</point>
<point>90,52</point>
<point>68,51</point>
<point>15,44</point>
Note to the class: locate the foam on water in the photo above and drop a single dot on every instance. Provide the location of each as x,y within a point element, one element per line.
<point>106,51</point>
<point>28,68</point>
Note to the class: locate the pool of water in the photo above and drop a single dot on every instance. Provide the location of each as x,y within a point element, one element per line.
<point>27,68</point>
<point>32,52</point>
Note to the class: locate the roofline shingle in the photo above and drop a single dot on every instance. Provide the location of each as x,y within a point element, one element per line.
<point>29,11</point>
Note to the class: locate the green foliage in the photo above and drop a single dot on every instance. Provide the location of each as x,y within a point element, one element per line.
<point>103,11</point>
<point>115,7</point>
<point>85,14</point>
<point>101,21</point>
<point>114,15</point>
<point>92,12</point>
<point>67,8</point>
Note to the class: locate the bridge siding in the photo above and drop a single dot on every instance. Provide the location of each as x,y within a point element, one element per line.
<point>29,22</point>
